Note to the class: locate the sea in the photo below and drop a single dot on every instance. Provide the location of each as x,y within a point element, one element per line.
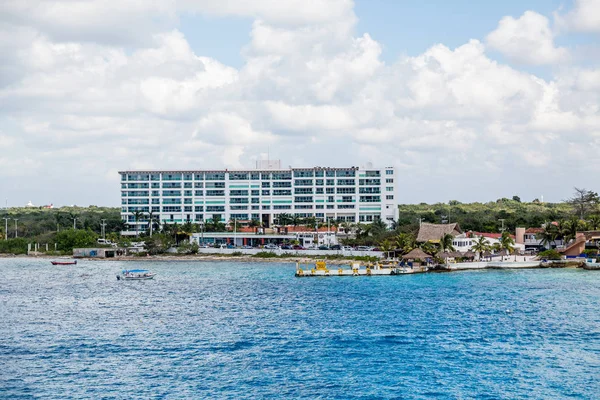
<point>232,330</point>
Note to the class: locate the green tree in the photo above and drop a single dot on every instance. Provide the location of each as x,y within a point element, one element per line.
<point>548,236</point>
<point>430,248</point>
<point>446,243</point>
<point>584,201</point>
<point>405,242</point>
<point>158,243</point>
<point>480,246</point>
<point>67,240</point>
<point>378,227</point>
<point>507,242</point>
<point>137,215</point>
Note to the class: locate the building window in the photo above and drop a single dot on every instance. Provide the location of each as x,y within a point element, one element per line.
<point>215,193</point>
<point>215,176</point>
<point>266,184</point>
<point>238,193</point>
<point>198,193</point>
<point>199,208</point>
<point>304,174</point>
<point>319,190</point>
<point>282,192</point>
<point>346,190</point>
<point>370,199</point>
<point>303,199</point>
<point>389,197</point>
<point>238,176</point>
<point>389,180</point>
<point>266,192</point>
<point>281,184</point>
<point>303,182</point>
<point>330,190</point>
<point>389,172</point>
<point>281,207</point>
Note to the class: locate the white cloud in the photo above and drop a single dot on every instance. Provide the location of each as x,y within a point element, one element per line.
<point>584,17</point>
<point>81,103</point>
<point>527,40</point>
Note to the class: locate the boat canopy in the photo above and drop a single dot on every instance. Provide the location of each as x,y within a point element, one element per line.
<point>135,270</point>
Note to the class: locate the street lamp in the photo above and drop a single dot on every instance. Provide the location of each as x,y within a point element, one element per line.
<point>202,231</point>
<point>103,225</point>
<point>6,228</point>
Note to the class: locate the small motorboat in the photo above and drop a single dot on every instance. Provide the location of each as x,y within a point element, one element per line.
<point>74,262</point>
<point>135,275</point>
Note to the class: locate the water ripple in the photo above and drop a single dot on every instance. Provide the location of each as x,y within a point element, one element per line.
<point>242,330</point>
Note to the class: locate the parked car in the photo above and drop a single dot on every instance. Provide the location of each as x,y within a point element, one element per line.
<point>347,248</point>
<point>285,247</point>
<point>336,247</point>
<point>323,247</point>
<point>298,247</point>
<point>363,248</point>
<point>247,247</point>
<point>271,246</point>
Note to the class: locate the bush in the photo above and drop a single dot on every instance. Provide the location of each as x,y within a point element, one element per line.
<point>14,246</point>
<point>72,238</point>
<point>550,255</point>
<point>237,254</point>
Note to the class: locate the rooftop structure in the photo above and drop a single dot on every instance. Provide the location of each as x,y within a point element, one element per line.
<point>350,194</point>
<point>434,232</point>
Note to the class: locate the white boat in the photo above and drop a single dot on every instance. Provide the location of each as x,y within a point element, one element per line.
<point>135,275</point>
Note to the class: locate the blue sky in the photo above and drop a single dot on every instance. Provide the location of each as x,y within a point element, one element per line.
<point>403,27</point>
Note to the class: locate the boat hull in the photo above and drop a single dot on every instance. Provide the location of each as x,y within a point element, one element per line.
<point>64,263</point>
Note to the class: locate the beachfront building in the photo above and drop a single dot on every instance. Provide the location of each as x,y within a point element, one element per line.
<point>352,194</point>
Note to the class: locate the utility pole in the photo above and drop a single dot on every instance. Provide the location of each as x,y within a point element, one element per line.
<point>6,228</point>
<point>502,228</point>
<point>16,228</point>
<point>103,225</point>
<point>74,222</point>
<point>202,231</point>
<point>234,231</point>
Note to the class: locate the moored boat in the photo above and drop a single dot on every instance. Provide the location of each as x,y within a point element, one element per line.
<point>135,275</point>
<point>74,262</point>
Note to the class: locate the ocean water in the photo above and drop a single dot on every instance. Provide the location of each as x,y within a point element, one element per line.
<point>252,330</point>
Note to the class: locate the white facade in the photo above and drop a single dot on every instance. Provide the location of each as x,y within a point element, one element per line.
<point>348,194</point>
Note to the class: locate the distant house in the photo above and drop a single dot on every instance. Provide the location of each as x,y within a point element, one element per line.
<point>434,232</point>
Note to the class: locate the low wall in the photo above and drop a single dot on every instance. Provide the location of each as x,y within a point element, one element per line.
<point>294,253</point>
<point>493,265</point>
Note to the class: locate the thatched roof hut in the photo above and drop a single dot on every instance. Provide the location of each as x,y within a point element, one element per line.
<point>469,254</point>
<point>434,232</point>
<point>415,254</point>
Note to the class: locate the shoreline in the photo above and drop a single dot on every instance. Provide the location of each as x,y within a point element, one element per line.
<point>288,260</point>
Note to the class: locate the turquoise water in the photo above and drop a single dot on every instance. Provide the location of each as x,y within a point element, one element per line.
<point>237,330</point>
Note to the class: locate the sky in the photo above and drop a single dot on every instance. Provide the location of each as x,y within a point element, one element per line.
<point>470,102</point>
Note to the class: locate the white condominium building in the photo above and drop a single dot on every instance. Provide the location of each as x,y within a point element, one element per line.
<point>348,194</point>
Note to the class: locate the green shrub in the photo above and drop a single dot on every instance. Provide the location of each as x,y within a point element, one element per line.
<point>550,255</point>
<point>14,246</point>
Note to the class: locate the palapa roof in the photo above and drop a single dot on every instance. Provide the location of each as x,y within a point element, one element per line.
<point>469,254</point>
<point>434,232</point>
<point>416,253</point>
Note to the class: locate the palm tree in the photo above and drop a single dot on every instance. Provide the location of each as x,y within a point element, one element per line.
<point>569,229</point>
<point>284,219</point>
<point>446,243</point>
<point>347,227</point>
<point>254,223</point>
<point>150,215</point>
<point>136,215</point>
<point>378,227</point>
<point>480,246</point>
<point>549,235</point>
<point>507,242</point>
<point>405,242</point>
<point>295,220</point>
<point>386,246</point>
<point>309,221</point>
<point>594,222</point>
<point>430,248</point>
